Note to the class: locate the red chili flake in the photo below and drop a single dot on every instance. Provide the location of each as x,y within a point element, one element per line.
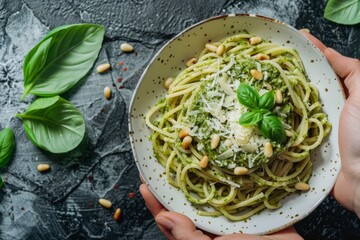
<point>131,195</point>
<point>121,63</point>
<point>103,110</point>
<point>120,79</point>
<point>90,178</point>
<point>125,69</point>
<point>90,204</point>
<point>116,186</point>
<point>121,87</point>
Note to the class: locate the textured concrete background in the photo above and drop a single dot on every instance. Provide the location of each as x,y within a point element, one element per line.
<point>62,204</point>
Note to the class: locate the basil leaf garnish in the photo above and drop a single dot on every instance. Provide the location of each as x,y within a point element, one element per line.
<point>272,128</point>
<point>53,124</point>
<point>343,12</point>
<point>7,144</point>
<point>267,100</point>
<point>248,96</point>
<point>250,118</point>
<point>62,58</point>
<point>1,182</point>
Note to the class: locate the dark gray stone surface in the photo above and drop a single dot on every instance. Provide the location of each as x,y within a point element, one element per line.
<point>62,204</point>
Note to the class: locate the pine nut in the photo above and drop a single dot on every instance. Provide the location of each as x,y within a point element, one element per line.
<point>210,47</point>
<point>105,203</point>
<point>215,140</point>
<point>117,214</point>
<point>278,96</point>
<point>220,49</point>
<point>191,61</point>
<point>255,40</point>
<point>268,150</point>
<point>186,142</point>
<point>228,143</point>
<point>43,167</point>
<point>103,67</point>
<point>241,170</point>
<point>168,82</point>
<point>107,93</point>
<point>262,56</point>
<point>256,74</point>
<point>184,132</point>
<point>302,186</point>
<point>204,162</point>
<point>125,47</point>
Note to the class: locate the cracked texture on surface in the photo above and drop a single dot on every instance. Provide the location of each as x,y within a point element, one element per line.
<point>63,204</point>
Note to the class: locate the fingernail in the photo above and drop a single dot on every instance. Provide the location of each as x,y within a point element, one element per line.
<point>165,222</point>
<point>305,30</point>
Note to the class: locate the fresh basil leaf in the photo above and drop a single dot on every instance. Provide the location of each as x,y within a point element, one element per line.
<point>53,124</point>
<point>62,58</point>
<point>272,128</point>
<point>343,11</point>
<point>248,96</point>
<point>250,118</point>
<point>267,100</point>
<point>1,182</point>
<point>7,144</point>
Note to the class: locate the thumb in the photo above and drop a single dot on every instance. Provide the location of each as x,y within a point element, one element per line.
<point>176,226</point>
<point>343,66</point>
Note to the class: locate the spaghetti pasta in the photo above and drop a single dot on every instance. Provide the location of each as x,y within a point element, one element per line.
<point>241,177</point>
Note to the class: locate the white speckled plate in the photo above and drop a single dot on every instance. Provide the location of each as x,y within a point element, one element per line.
<point>171,59</point>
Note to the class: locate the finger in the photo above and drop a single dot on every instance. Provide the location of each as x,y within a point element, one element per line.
<point>342,65</point>
<point>314,40</point>
<point>288,233</point>
<point>141,178</point>
<point>151,202</point>
<point>177,226</point>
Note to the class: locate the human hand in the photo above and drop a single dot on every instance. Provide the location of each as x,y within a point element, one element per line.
<point>347,186</point>
<point>176,226</point>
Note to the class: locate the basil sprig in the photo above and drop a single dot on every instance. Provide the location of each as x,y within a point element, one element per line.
<point>53,124</point>
<point>7,144</point>
<point>259,112</point>
<point>343,11</point>
<point>61,59</point>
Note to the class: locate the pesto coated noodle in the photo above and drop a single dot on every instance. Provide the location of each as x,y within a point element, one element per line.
<point>221,166</point>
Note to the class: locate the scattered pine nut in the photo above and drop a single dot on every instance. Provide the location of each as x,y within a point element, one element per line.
<point>191,61</point>
<point>256,74</point>
<point>255,40</point>
<point>204,162</point>
<point>105,203</point>
<point>43,167</point>
<point>210,47</point>
<point>168,82</point>
<point>103,67</point>
<point>302,186</point>
<point>186,142</point>
<point>184,132</point>
<point>268,150</point>
<point>107,93</point>
<point>278,96</point>
<point>126,47</point>
<point>117,214</point>
<point>215,140</point>
<point>220,49</point>
<point>240,170</point>
<point>262,56</point>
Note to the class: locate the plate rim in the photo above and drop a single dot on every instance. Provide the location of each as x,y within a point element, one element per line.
<point>153,59</point>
